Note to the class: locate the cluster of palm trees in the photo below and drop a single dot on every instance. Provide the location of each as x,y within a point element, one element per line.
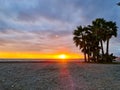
<point>91,40</point>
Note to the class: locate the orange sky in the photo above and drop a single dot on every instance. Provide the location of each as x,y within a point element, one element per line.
<point>37,55</point>
<point>44,28</point>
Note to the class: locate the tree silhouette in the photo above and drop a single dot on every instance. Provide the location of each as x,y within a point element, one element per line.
<point>98,29</point>
<point>118,3</point>
<point>79,40</point>
<point>90,40</point>
<point>111,30</point>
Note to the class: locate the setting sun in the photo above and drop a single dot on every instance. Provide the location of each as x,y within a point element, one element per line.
<point>37,55</point>
<point>62,56</point>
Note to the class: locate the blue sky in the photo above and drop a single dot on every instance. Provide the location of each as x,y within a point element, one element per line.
<point>47,25</point>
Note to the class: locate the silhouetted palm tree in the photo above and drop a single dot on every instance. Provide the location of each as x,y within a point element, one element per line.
<point>98,29</point>
<point>90,40</point>
<point>111,31</point>
<point>79,40</point>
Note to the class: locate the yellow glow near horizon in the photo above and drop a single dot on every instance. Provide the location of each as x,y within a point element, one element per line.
<point>37,55</point>
<point>62,56</point>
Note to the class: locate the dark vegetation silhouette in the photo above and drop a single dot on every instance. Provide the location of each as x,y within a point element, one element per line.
<point>118,3</point>
<point>91,40</point>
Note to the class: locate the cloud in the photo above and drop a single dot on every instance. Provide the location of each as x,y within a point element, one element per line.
<point>13,40</point>
<point>47,25</point>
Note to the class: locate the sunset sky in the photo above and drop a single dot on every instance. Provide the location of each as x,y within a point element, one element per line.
<point>31,28</point>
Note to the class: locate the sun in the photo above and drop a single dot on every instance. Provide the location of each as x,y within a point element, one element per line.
<point>62,56</point>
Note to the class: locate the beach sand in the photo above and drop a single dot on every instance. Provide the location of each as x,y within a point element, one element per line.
<point>59,76</point>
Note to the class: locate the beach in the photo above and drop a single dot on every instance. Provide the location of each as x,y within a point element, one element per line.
<point>59,76</point>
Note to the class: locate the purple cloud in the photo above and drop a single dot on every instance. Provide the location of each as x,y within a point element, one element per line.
<point>42,24</point>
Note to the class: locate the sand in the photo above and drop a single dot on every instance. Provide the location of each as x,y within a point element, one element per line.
<point>59,76</point>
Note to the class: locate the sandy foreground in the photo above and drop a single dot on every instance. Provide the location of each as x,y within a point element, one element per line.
<point>59,76</point>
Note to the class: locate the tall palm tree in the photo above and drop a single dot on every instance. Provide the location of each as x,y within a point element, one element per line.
<point>79,40</point>
<point>98,29</point>
<point>111,31</point>
<point>90,39</point>
<point>87,42</point>
<point>104,30</point>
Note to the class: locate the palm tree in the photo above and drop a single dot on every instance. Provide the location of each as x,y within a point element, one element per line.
<point>90,39</point>
<point>111,31</point>
<point>98,29</point>
<point>93,40</point>
<point>85,40</point>
<point>79,40</point>
<point>104,30</point>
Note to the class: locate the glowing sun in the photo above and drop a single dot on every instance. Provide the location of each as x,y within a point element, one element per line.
<point>62,56</point>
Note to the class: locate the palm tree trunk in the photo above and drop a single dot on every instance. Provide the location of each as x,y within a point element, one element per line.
<point>107,48</point>
<point>98,55</point>
<point>102,47</point>
<point>85,57</point>
<point>88,57</point>
<point>94,59</point>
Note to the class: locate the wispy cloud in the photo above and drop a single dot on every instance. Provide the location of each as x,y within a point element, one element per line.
<point>47,25</point>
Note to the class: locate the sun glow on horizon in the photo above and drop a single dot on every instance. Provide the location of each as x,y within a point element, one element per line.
<point>37,55</point>
<point>62,56</point>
